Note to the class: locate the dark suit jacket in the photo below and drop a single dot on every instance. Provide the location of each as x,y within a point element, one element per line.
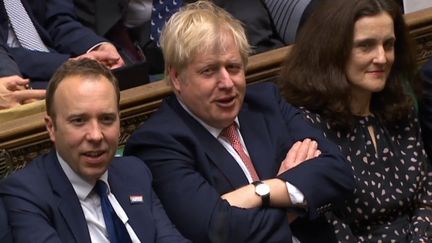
<point>43,206</point>
<point>5,234</point>
<point>100,15</point>
<point>61,32</point>
<point>259,27</point>
<point>7,66</point>
<point>426,106</point>
<point>192,169</point>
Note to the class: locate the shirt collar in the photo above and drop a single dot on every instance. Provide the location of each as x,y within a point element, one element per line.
<point>82,187</point>
<point>215,132</point>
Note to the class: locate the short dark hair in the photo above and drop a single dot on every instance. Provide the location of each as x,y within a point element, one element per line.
<point>83,67</point>
<point>313,74</point>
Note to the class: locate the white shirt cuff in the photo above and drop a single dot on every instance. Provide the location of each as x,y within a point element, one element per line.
<point>97,45</point>
<point>296,196</point>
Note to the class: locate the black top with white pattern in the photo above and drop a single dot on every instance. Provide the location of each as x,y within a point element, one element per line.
<point>392,200</point>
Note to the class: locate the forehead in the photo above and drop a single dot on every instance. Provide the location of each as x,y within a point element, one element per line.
<point>376,26</point>
<point>84,92</point>
<point>223,48</point>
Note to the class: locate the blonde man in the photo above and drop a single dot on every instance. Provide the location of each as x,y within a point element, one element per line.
<point>229,161</point>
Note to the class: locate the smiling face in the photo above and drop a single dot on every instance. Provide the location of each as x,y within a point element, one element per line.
<point>372,55</point>
<point>213,84</point>
<point>85,129</point>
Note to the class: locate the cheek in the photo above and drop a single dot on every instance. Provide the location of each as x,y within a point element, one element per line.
<point>390,59</point>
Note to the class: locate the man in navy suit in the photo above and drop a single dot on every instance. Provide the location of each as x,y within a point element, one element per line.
<point>61,33</point>
<point>230,163</point>
<point>54,198</point>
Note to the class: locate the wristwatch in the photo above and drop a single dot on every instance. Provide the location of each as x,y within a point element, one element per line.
<point>262,190</point>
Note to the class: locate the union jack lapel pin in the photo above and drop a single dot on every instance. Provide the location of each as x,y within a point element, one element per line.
<point>134,199</point>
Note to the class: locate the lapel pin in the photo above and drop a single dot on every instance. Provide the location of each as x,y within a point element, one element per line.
<point>134,199</point>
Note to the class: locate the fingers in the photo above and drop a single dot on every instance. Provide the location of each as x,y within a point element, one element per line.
<point>302,152</point>
<point>14,82</point>
<point>298,153</point>
<point>292,153</point>
<point>311,150</point>
<point>289,161</point>
<point>119,63</point>
<point>110,60</point>
<point>29,95</point>
<point>307,150</point>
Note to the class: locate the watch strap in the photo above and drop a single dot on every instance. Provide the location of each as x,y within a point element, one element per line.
<point>265,197</point>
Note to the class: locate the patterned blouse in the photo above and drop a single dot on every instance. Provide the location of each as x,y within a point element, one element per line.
<point>393,197</point>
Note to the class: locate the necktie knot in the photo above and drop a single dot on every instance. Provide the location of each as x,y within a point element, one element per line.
<point>101,188</point>
<point>231,134</point>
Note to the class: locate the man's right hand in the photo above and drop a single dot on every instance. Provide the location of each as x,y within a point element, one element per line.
<point>14,92</point>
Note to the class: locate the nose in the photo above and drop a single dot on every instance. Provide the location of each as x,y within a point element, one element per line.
<point>94,133</point>
<point>225,80</point>
<point>380,55</point>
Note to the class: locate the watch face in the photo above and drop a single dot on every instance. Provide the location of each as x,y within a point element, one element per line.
<point>262,189</point>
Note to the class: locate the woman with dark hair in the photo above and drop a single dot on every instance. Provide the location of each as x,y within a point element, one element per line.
<point>350,71</point>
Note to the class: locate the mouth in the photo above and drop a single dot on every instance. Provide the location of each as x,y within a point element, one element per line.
<point>377,73</point>
<point>226,101</point>
<point>94,156</point>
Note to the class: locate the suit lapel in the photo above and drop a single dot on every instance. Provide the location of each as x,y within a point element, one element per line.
<point>138,217</point>
<point>216,153</point>
<point>254,130</point>
<point>68,202</point>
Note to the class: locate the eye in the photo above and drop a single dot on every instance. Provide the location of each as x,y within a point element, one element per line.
<point>208,71</point>
<point>108,119</point>
<point>365,45</point>
<point>234,68</point>
<point>389,45</point>
<point>77,121</point>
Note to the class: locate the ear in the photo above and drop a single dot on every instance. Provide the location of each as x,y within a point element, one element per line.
<point>49,123</point>
<point>175,80</point>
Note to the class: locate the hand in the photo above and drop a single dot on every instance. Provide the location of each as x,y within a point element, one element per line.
<point>13,92</point>
<point>106,54</point>
<point>298,153</point>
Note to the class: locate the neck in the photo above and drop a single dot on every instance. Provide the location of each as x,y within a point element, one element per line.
<point>360,104</point>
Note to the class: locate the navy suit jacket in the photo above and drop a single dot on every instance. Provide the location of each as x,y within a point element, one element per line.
<point>192,169</point>
<point>426,106</point>
<point>58,27</point>
<point>100,15</point>
<point>43,206</point>
<point>5,234</point>
<point>7,66</point>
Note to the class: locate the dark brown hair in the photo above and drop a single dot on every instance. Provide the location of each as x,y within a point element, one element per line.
<point>84,67</point>
<point>313,74</point>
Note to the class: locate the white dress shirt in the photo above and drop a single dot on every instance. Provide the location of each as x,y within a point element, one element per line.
<point>296,196</point>
<point>91,206</point>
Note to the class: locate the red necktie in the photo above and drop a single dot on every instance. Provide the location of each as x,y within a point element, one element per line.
<point>232,135</point>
